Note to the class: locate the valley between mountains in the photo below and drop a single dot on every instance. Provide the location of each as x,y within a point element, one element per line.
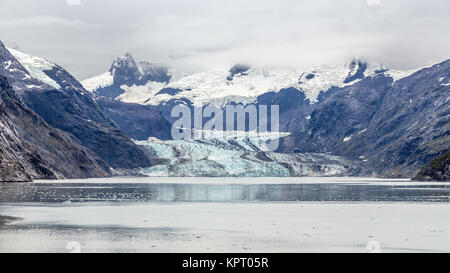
<point>355,119</point>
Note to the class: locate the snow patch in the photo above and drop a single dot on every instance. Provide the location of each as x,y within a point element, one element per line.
<point>36,67</point>
<point>100,81</point>
<point>400,74</point>
<point>139,94</point>
<point>212,87</point>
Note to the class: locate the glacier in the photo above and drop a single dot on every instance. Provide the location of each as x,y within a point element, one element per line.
<point>242,155</point>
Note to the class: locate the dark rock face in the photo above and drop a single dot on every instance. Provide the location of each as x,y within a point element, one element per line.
<point>166,108</point>
<point>357,69</point>
<point>112,91</point>
<point>126,71</point>
<point>138,121</point>
<point>82,117</point>
<point>238,69</point>
<point>73,110</point>
<point>346,112</point>
<point>413,124</point>
<point>30,149</point>
<point>294,108</point>
<point>437,170</point>
<point>169,91</point>
<point>396,129</point>
<point>77,113</point>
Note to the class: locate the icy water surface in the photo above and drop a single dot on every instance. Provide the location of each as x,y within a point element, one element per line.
<point>225,215</point>
<point>226,190</point>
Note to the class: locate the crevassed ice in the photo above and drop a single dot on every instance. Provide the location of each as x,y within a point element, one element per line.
<point>233,157</point>
<point>218,158</point>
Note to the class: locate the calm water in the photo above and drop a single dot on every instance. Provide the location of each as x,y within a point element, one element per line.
<point>224,215</point>
<point>223,192</point>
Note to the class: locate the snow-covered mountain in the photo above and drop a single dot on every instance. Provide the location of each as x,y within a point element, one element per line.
<point>126,72</point>
<point>348,119</point>
<point>395,128</point>
<point>30,148</point>
<point>63,103</point>
<point>127,81</point>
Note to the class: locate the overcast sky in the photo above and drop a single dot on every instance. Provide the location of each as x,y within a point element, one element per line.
<point>85,36</point>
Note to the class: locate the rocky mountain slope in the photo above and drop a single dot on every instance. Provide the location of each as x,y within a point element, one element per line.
<point>353,119</point>
<point>56,96</point>
<point>396,129</point>
<point>296,90</point>
<point>393,121</point>
<point>124,73</point>
<point>138,121</point>
<point>437,170</point>
<point>30,149</point>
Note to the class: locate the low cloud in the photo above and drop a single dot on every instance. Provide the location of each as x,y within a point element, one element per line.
<point>198,34</point>
<point>73,2</point>
<point>373,2</point>
<point>46,21</point>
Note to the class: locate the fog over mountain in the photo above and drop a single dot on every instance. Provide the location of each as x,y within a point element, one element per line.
<point>85,35</point>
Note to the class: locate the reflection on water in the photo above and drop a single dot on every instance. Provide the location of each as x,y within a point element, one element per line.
<point>79,192</point>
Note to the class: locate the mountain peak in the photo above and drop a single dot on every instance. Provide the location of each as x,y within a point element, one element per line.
<point>125,61</point>
<point>357,69</point>
<point>125,70</point>
<point>126,58</point>
<point>3,50</point>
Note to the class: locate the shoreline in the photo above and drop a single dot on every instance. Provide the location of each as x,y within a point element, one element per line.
<point>248,180</point>
<point>138,178</point>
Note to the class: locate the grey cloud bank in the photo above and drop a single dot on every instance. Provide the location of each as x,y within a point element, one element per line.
<point>85,36</point>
